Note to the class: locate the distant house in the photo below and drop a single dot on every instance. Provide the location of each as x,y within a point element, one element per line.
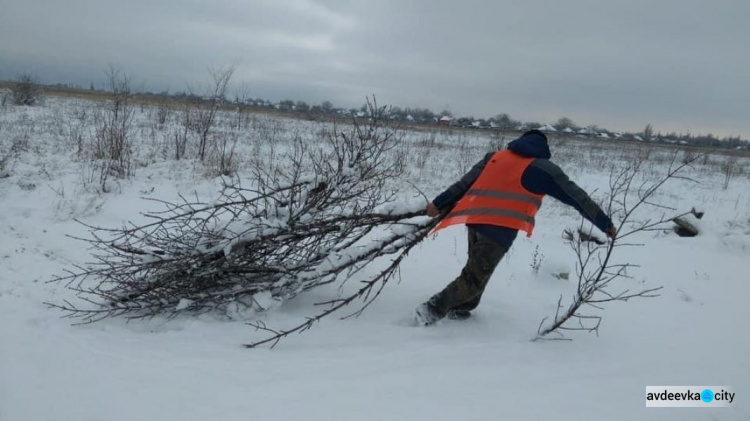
<point>567,130</point>
<point>444,121</point>
<point>638,138</point>
<point>410,117</point>
<point>547,128</point>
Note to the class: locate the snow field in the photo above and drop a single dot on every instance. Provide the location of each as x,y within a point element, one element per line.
<point>374,366</point>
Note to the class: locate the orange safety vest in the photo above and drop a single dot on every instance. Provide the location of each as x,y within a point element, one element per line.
<point>497,197</point>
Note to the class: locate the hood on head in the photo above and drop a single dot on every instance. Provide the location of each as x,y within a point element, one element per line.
<point>532,144</point>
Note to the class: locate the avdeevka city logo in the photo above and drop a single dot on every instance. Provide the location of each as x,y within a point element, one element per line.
<point>689,396</point>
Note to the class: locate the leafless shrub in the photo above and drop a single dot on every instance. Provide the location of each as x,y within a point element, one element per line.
<point>162,114</point>
<point>5,96</point>
<point>729,168</point>
<point>223,160</point>
<point>203,119</point>
<point>56,122</point>
<point>595,268</point>
<point>423,149</point>
<point>688,156</point>
<point>26,90</point>
<point>180,135</point>
<point>466,156</point>
<point>270,131</point>
<point>77,128</point>
<point>422,158</point>
<point>428,141</point>
<point>112,147</point>
<point>498,142</point>
<point>241,98</point>
<point>90,175</point>
<point>18,145</point>
<point>5,158</point>
<point>644,153</point>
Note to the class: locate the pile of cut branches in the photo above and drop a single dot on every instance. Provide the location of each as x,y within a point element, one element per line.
<point>322,218</point>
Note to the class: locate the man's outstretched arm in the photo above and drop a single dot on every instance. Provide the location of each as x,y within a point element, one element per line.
<point>454,193</point>
<point>544,177</point>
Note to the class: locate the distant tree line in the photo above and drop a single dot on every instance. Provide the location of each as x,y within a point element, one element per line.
<point>242,100</point>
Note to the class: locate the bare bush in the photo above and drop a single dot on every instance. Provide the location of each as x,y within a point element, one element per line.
<point>498,142</point>
<point>688,155</point>
<point>241,97</point>
<point>26,90</point>
<point>77,125</point>
<point>18,145</point>
<point>113,122</point>
<point>466,156</point>
<point>5,159</point>
<point>162,114</point>
<point>644,153</point>
<point>5,96</point>
<point>180,135</point>
<point>729,168</point>
<point>223,161</point>
<point>204,115</point>
<point>595,267</point>
<point>423,150</point>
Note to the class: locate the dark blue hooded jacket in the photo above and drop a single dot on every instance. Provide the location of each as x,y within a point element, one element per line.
<point>540,177</point>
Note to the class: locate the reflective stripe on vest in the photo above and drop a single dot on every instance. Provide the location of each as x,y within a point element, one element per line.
<point>493,211</point>
<point>506,195</point>
<point>497,197</point>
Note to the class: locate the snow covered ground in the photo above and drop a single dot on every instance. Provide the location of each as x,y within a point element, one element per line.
<point>375,366</point>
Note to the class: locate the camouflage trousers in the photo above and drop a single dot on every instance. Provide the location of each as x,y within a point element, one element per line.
<point>465,292</point>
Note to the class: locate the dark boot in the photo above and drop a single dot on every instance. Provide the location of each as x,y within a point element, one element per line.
<point>459,314</point>
<point>426,314</point>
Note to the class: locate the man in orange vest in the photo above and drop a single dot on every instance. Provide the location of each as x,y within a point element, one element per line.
<point>498,197</point>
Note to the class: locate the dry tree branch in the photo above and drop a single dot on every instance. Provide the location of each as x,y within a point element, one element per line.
<point>594,264</point>
<point>367,293</point>
<point>322,219</point>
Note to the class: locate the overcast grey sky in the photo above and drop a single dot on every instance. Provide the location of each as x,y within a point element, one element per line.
<point>677,64</point>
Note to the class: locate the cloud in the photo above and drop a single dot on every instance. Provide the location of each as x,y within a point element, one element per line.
<point>679,65</point>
